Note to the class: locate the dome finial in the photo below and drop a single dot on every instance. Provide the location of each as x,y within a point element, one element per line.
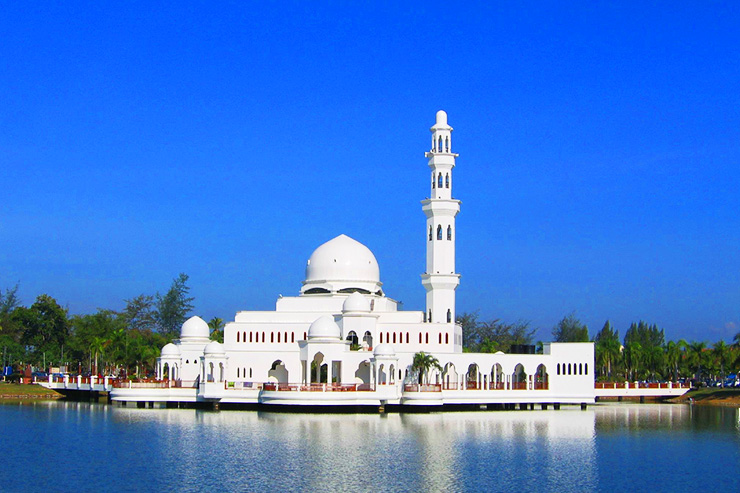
<point>441,117</point>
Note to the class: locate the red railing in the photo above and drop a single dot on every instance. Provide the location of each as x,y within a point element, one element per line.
<point>541,386</point>
<point>428,387</point>
<point>316,387</point>
<point>518,385</point>
<point>641,385</point>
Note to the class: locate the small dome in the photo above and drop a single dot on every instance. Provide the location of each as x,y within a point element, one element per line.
<point>441,118</point>
<point>356,303</point>
<point>214,348</point>
<point>342,265</point>
<point>170,350</point>
<point>195,327</point>
<point>324,328</point>
<point>384,350</point>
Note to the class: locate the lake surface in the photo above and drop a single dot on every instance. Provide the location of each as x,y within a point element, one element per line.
<point>68,446</point>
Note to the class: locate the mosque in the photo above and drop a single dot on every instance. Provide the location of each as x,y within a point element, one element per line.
<point>343,342</point>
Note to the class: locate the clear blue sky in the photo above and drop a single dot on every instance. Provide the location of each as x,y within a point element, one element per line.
<point>599,153</point>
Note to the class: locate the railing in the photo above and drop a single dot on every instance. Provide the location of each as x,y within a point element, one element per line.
<point>518,385</point>
<point>428,387</point>
<point>541,386</point>
<point>316,387</point>
<point>150,383</point>
<point>641,385</point>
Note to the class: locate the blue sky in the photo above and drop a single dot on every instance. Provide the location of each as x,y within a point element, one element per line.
<point>599,153</point>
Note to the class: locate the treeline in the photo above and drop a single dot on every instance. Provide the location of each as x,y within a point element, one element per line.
<point>643,354</point>
<point>123,342</point>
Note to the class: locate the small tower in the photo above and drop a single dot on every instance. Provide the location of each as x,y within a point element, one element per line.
<point>440,279</point>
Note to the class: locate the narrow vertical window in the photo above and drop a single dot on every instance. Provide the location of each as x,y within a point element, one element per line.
<point>381,338</point>
<point>272,337</point>
<point>433,180</point>
<point>430,233</point>
<point>439,144</point>
<point>447,338</point>
<point>263,337</point>
<point>278,336</point>
<point>394,338</point>
<point>447,144</point>
<point>292,337</point>
<point>407,337</point>
<point>586,368</point>
<point>558,368</point>
<point>237,336</point>
<point>430,317</point>
<point>439,232</point>
<point>449,315</point>
<point>439,181</point>
<point>447,180</point>
<point>426,338</point>
<point>250,336</point>
<point>449,233</point>
<point>440,338</point>
<point>419,337</point>
<point>237,372</point>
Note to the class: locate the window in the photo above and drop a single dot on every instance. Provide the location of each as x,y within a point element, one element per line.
<point>449,315</point>
<point>439,146</point>
<point>237,336</point>
<point>433,180</point>
<point>272,337</point>
<point>586,368</point>
<point>449,233</point>
<point>447,144</point>
<point>278,336</point>
<point>447,180</point>
<point>439,181</point>
<point>558,368</point>
<point>381,338</point>
<point>439,232</point>
<point>569,369</point>
<point>440,338</point>
<point>426,339</point>
<point>394,338</point>
<point>250,336</point>
<point>580,368</point>
<point>447,338</point>
<point>430,233</point>
<point>407,337</point>
<point>430,317</point>
<point>263,337</point>
<point>292,337</point>
<point>419,337</point>
<point>237,373</point>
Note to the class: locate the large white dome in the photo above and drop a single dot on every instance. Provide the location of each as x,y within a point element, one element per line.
<point>342,265</point>
<point>195,328</point>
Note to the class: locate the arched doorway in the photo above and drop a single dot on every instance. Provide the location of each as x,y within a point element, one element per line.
<point>541,380</point>
<point>278,372</point>
<point>449,377</point>
<point>472,381</point>
<point>519,378</point>
<point>362,375</point>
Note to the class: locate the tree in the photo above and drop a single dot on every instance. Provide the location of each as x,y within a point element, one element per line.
<point>570,329</point>
<point>173,308</point>
<point>607,348</point>
<point>424,362</point>
<point>721,352</point>
<point>469,323</point>
<point>44,325</point>
<point>140,314</point>
<point>216,325</point>
<point>696,357</point>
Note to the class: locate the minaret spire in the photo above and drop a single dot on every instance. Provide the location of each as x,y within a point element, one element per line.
<point>440,279</point>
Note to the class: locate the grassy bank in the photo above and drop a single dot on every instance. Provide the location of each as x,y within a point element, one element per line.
<point>18,391</point>
<point>712,397</point>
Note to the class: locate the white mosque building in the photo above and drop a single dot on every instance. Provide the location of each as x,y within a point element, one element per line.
<point>343,342</point>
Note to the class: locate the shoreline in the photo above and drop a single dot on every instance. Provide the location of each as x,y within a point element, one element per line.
<point>710,397</point>
<point>15,391</point>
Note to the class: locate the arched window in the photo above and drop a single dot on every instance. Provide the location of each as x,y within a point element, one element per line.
<point>272,337</point>
<point>430,317</point>
<point>263,337</point>
<point>585,367</point>
<point>447,180</point>
<point>439,144</point>
<point>569,373</point>
<point>558,370</point>
<point>394,338</point>
<point>439,232</point>
<point>449,315</point>
<point>449,233</point>
<point>430,233</point>
<point>440,338</point>
<point>387,338</point>
<point>250,336</point>
<point>426,339</point>
<point>447,338</point>
<point>237,373</point>
<point>278,336</point>
<point>434,177</point>
<point>292,337</point>
<point>250,373</point>
<point>439,181</point>
<point>381,338</point>
<point>237,336</point>
<point>244,336</point>
<point>407,337</point>
<point>447,144</point>
<point>580,368</point>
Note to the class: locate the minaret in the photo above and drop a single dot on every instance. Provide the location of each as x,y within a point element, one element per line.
<point>440,279</point>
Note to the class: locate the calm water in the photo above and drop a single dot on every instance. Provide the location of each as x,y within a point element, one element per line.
<point>60,446</point>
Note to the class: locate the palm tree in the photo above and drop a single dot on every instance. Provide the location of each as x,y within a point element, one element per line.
<point>97,345</point>
<point>633,359</point>
<point>673,356</point>
<point>696,357</point>
<point>607,351</point>
<point>721,351</point>
<point>423,363</point>
<point>216,324</point>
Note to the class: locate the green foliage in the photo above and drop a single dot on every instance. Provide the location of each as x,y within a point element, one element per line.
<point>422,363</point>
<point>44,327</point>
<point>217,333</point>
<point>570,329</point>
<point>489,337</point>
<point>173,308</point>
<point>608,351</point>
